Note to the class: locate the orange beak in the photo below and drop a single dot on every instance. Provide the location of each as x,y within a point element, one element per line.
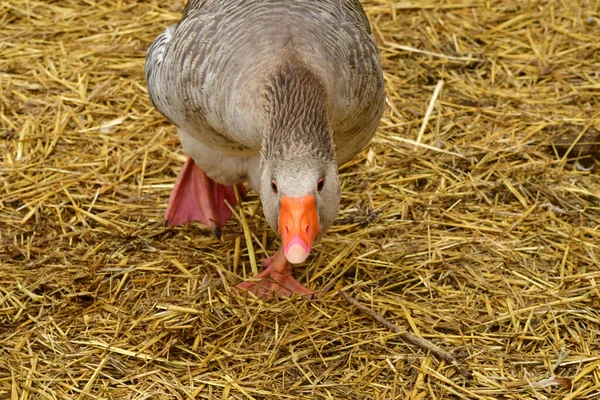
<point>298,226</point>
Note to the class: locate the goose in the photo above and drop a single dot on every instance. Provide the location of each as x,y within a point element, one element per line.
<point>278,93</point>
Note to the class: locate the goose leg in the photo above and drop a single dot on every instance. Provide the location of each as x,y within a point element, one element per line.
<point>276,278</point>
<point>196,197</point>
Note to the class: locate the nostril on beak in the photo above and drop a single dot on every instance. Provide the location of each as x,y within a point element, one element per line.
<point>287,230</point>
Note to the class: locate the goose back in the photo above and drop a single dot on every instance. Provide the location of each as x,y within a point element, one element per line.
<point>207,73</point>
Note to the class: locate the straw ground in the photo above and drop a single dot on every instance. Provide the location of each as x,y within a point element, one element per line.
<point>464,222</point>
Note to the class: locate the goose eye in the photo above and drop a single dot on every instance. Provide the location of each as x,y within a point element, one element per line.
<point>320,185</point>
<point>274,187</point>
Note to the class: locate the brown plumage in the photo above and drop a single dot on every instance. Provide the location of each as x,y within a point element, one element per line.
<point>291,129</point>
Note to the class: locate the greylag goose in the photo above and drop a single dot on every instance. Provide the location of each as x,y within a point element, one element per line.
<point>278,93</point>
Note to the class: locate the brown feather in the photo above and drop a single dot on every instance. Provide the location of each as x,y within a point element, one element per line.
<point>296,115</point>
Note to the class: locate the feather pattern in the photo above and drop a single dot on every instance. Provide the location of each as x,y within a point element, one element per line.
<point>216,72</point>
<point>292,131</point>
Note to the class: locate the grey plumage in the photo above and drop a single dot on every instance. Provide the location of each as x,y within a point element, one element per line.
<point>276,92</point>
<point>207,73</point>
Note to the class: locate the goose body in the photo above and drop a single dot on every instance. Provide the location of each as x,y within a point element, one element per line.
<point>275,92</point>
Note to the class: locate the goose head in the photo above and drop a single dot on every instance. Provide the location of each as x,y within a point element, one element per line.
<point>301,199</point>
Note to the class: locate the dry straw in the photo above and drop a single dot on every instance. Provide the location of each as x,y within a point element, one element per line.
<point>472,230</point>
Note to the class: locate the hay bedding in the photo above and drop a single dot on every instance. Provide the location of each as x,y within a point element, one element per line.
<point>463,224</point>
